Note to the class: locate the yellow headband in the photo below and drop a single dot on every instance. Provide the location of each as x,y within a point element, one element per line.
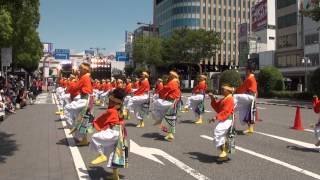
<point>116,100</point>
<point>228,88</point>
<point>174,74</point>
<point>85,67</point>
<point>145,73</point>
<point>203,76</point>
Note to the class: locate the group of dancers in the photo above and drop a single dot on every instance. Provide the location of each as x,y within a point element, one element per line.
<point>77,95</point>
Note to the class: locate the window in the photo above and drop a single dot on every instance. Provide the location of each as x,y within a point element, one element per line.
<point>271,38</point>
<point>286,41</point>
<point>285,3</point>
<point>312,39</point>
<point>287,20</point>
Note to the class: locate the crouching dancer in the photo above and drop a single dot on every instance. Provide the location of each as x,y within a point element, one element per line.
<point>224,109</point>
<point>110,140</point>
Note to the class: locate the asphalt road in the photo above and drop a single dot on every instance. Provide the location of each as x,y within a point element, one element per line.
<point>192,153</point>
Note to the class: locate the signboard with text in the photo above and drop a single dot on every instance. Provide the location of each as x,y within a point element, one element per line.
<point>122,56</point>
<point>6,56</point>
<point>47,47</point>
<point>260,16</point>
<point>62,54</point>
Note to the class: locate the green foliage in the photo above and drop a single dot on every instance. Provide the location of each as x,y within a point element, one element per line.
<point>25,40</point>
<point>6,29</point>
<point>129,69</point>
<point>147,50</point>
<point>290,95</point>
<point>139,70</point>
<point>230,77</point>
<point>190,46</point>
<point>313,10</point>
<point>315,85</point>
<point>269,79</point>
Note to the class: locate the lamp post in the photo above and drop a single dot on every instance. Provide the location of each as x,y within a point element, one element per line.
<point>305,61</point>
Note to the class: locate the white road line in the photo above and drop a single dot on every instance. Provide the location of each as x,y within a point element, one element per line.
<point>309,130</point>
<point>292,141</point>
<point>79,164</point>
<point>276,161</point>
<point>261,108</point>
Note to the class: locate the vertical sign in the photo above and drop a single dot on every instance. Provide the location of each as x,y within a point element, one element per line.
<point>6,56</point>
<point>260,16</point>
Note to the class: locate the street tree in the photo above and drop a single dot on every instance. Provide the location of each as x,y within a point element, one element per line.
<point>191,47</point>
<point>313,10</point>
<point>6,29</point>
<point>147,50</point>
<point>25,40</point>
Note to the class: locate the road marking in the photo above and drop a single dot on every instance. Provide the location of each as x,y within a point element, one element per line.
<point>79,164</point>
<point>309,130</point>
<point>261,108</point>
<point>150,152</point>
<point>276,161</point>
<point>292,141</point>
<point>207,111</point>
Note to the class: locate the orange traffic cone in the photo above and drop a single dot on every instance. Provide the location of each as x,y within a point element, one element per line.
<point>257,116</point>
<point>298,121</point>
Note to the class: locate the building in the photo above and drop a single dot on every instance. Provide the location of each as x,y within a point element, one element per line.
<point>146,31</point>
<point>129,45</point>
<point>222,16</point>
<point>297,38</point>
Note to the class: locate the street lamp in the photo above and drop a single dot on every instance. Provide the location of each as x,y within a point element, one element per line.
<point>305,61</point>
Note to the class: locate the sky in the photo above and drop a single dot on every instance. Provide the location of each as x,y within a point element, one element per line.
<point>83,24</point>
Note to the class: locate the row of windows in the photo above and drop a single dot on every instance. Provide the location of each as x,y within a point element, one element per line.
<point>285,3</point>
<point>296,60</point>
<point>287,20</point>
<point>312,39</point>
<point>287,41</point>
<point>185,22</point>
<point>196,10</point>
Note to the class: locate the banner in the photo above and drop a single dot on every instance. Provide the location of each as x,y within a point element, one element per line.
<point>6,56</point>
<point>260,16</point>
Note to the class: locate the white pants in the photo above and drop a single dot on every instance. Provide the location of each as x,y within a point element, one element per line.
<point>243,104</point>
<point>221,131</point>
<point>160,108</point>
<point>104,141</point>
<point>104,94</point>
<point>73,110</point>
<point>126,101</point>
<point>135,103</point>
<point>193,103</point>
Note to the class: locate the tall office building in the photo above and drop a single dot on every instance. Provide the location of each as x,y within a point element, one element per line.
<point>222,16</point>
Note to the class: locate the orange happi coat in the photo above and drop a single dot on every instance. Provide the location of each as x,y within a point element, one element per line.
<point>170,91</point>
<point>223,107</point>
<point>249,85</point>
<point>200,88</point>
<point>144,87</point>
<point>108,119</point>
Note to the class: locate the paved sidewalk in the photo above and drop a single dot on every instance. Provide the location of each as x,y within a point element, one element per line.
<point>33,146</point>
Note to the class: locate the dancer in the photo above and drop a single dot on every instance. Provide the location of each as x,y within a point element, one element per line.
<point>128,90</point>
<point>79,107</point>
<point>140,99</point>
<point>106,89</point>
<point>245,100</point>
<point>164,109</point>
<point>159,86</point>
<point>316,108</point>
<point>110,140</point>
<point>196,101</point>
<point>136,85</point>
<point>224,109</point>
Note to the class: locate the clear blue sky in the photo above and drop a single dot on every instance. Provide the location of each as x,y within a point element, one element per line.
<point>81,24</point>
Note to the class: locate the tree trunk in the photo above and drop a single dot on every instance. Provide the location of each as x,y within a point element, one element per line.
<point>189,76</point>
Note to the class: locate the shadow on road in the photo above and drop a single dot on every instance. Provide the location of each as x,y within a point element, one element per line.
<point>205,158</point>
<point>187,122</point>
<point>7,146</point>
<point>98,172</point>
<point>156,136</point>
<point>131,125</point>
<point>63,141</point>
<point>296,148</point>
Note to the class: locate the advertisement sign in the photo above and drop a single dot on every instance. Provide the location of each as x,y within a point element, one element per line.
<point>260,16</point>
<point>122,56</point>
<point>62,54</point>
<point>47,47</point>
<point>243,32</point>
<point>6,56</point>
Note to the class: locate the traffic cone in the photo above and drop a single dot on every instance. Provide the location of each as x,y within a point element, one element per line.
<point>257,116</point>
<point>298,121</point>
